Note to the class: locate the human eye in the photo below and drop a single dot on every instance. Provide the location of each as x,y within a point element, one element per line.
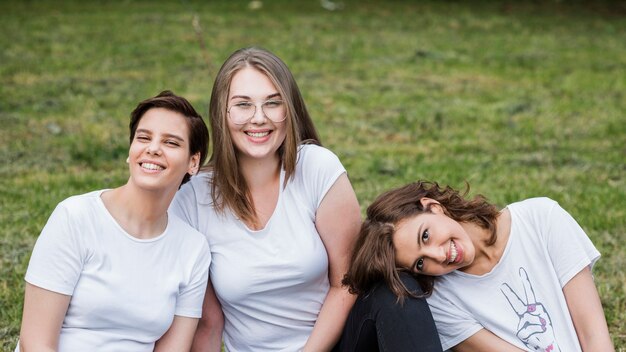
<point>244,105</point>
<point>142,137</point>
<point>172,143</point>
<point>274,103</point>
<point>419,264</point>
<point>425,236</point>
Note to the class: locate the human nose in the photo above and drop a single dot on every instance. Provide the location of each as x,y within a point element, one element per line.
<point>154,147</point>
<point>436,253</point>
<point>259,114</point>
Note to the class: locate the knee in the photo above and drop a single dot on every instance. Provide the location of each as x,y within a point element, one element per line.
<point>384,301</point>
<point>410,283</point>
<point>383,293</point>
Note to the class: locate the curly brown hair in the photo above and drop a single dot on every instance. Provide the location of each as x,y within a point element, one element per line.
<point>373,258</point>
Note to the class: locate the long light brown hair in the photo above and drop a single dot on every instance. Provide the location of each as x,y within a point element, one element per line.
<point>228,186</point>
<point>373,259</point>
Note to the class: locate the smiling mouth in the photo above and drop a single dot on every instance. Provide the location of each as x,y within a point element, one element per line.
<point>151,166</point>
<point>258,134</point>
<point>453,252</point>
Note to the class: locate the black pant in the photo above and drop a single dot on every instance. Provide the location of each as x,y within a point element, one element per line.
<point>378,323</point>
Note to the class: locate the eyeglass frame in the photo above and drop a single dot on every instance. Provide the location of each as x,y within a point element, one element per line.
<point>255,111</point>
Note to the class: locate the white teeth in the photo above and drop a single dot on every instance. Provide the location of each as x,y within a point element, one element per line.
<point>453,252</point>
<point>151,166</point>
<point>258,134</point>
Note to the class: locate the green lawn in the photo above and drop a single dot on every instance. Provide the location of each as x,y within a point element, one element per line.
<point>520,99</point>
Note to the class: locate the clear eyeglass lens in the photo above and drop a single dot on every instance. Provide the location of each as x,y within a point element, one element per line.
<point>241,113</point>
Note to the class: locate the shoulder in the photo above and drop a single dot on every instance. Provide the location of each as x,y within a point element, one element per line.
<point>317,169</point>
<point>182,238</point>
<point>314,159</point>
<point>197,189</point>
<point>540,216</point>
<point>315,153</point>
<point>539,206</point>
<point>181,226</point>
<point>189,234</point>
<point>81,199</point>
<point>79,205</point>
<point>75,220</point>
<point>317,164</point>
<point>537,202</point>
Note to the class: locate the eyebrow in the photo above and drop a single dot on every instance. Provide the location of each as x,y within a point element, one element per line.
<point>419,235</point>
<point>167,135</point>
<point>247,97</point>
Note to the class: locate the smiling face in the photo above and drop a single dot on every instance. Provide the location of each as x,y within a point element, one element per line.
<point>432,244</point>
<point>159,154</point>
<point>259,138</point>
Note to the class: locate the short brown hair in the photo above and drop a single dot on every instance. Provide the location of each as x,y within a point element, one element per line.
<point>198,132</point>
<point>373,258</point>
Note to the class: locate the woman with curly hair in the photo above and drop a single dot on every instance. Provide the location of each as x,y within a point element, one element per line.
<point>499,280</point>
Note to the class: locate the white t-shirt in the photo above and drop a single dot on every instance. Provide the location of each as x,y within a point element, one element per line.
<point>271,283</point>
<point>521,300</point>
<point>125,291</point>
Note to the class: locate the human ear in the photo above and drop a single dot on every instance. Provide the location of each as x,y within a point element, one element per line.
<point>431,205</point>
<point>194,162</point>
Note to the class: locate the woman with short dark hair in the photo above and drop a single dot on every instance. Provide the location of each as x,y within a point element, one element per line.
<point>113,270</point>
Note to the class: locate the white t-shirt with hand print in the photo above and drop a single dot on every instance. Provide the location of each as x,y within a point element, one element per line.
<point>521,300</point>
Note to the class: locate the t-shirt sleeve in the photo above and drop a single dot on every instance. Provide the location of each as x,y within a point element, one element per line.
<point>57,258</point>
<point>454,324</point>
<point>320,169</point>
<point>570,248</point>
<point>191,295</point>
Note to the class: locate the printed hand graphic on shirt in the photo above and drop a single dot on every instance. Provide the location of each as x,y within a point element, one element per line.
<point>534,327</point>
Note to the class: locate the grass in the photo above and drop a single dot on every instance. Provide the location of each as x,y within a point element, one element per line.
<point>520,99</point>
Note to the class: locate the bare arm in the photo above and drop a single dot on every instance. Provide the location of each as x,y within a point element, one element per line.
<point>338,220</point>
<point>208,337</point>
<point>585,308</point>
<point>485,340</point>
<point>42,319</point>
<point>179,336</point>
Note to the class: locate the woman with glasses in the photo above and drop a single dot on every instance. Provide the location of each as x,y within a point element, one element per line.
<point>278,211</point>
<point>113,270</point>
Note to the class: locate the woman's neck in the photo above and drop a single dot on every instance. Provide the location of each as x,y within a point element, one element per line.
<point>263,181</point>
<point>487,256</point>
<point>141,213</point>
<point>260,173</point>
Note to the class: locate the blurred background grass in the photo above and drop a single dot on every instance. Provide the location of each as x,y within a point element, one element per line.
<point>520,99</point>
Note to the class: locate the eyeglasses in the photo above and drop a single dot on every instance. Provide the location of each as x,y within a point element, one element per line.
<point>242,112</point>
